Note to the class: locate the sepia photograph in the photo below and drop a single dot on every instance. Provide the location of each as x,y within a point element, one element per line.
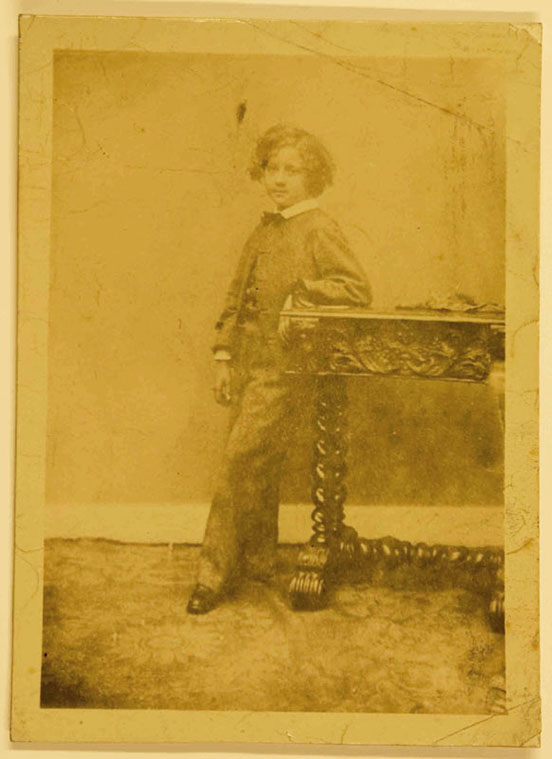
<point>277,381</point>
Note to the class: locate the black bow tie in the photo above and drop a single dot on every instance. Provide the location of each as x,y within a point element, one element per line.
<point>275,218</point>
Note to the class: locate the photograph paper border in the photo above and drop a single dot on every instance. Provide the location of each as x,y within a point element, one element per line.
<point>518,45</point>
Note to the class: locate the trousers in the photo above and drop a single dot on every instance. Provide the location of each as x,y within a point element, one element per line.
<point>241,534</point>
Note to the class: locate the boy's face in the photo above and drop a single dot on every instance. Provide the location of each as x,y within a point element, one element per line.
<point>284,178</point>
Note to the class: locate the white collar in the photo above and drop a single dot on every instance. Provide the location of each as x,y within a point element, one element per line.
<point>297,208</point>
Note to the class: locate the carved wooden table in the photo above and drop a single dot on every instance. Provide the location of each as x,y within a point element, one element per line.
<point>333,343</point>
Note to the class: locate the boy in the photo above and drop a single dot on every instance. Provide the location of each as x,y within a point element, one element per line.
<point>296,256</point>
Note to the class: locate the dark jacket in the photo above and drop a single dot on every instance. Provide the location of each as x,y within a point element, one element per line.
<point>306,253</point>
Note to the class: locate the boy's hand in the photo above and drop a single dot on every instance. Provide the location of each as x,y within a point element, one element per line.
<point>223,378</point>
<point>296,299</point>
<point>285,322</point>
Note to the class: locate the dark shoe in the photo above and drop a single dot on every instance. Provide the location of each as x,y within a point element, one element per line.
<point>202,600</point>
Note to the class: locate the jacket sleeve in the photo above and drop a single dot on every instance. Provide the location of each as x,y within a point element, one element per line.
<point>225,328</point>
<point>341,280</point>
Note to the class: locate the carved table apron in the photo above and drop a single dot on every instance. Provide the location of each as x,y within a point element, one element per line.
<point>333,343</point>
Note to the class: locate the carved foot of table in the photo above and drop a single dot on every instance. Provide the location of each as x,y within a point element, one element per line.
<point>309,586</point>
<point>496,612</point>
<point>320,567</point>
<point>496,604</point>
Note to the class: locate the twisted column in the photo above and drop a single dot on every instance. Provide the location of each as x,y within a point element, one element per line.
<point>309,586</point>
<point>329,467</point>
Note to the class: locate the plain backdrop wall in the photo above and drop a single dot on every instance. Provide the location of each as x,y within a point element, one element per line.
<point>151,205</point>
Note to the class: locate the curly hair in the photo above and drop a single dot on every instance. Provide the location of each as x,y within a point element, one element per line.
<point>318,163</point>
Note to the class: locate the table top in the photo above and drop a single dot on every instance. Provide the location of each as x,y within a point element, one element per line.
<point>344,312</point>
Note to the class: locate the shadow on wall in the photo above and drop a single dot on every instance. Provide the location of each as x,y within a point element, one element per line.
<point>413,442</point>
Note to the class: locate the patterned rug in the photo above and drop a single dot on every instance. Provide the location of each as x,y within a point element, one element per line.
<point>117,635</point>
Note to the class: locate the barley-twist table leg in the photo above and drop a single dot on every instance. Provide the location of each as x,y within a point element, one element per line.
<point>309,586</point>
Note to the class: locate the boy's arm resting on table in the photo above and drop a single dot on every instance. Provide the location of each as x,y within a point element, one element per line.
<point>341,280</point>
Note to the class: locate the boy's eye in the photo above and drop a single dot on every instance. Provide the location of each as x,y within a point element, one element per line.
<point>273,168</point>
